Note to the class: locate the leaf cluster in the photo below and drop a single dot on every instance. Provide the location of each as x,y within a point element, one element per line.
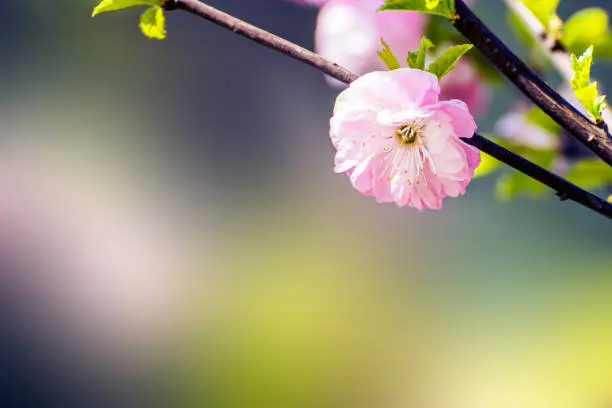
<point>152,20</point>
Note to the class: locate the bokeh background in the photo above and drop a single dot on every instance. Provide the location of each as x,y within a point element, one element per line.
<point>172,234</point>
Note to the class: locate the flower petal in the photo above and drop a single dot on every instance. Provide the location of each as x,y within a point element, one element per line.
<point>459,115</point>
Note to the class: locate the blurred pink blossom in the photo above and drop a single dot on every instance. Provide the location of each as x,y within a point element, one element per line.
<point>516,127</point>
<point>464,83</point>
<point>321,2</point>
<point>349,32</point>
<point>90,268</point>
<point>399,143</point>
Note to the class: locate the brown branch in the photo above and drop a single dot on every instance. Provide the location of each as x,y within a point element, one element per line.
<point>595,137</point>
<point>564,189</point>
<point>262,37</point>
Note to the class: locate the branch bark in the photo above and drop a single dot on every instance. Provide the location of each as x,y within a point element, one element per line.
<point>594,137</point>
<point>563,188</point>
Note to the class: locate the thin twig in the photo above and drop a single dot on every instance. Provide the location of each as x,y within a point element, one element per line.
<point>563,188</point>
<point>262,37</point>
<point>594,137</point>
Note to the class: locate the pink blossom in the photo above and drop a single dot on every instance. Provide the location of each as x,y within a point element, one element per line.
<point>321,2</point>
<point>399,143</point>
<point>349,32</point>
<point>464,83</point>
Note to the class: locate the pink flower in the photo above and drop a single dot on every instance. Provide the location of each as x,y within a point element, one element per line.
<point>399,143</point>
<point>349,32</point>
<point>463,83</point>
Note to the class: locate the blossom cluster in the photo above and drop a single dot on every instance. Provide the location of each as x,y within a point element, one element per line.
<point>397,133</point>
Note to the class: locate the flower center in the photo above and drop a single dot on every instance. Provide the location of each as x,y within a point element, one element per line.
<point>409,134</point>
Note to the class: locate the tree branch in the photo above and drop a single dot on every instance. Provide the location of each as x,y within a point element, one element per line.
<point>564,189</point>
<point>262,37</point>
<point>557,54</point>
<point>594,137</point>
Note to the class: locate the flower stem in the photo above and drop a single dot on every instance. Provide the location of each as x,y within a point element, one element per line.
<point>564,189</point>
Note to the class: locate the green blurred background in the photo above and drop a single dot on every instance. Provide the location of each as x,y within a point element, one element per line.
<point>174,235</point>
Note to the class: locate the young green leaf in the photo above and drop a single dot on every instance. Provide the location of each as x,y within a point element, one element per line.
<point>114,5</point>
<point>581,69</point>
<point>416,59</point>
<point>444,8</point>
<point>585,27</point>
<point>544,10</point>
<point>584,89</point>
<point>432,4</point>
<point>153,23</point>
<point>590,173</point>
<point>449,58</point>
<point>386,55</point>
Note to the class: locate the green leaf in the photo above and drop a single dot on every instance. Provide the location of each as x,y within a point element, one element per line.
<point>114,5</point>
<point>585,27</point>
<point>444,8</point>
<point>153,23</point>
<point>387,56</point>
<point>581,69</point>
<point>416,59</point>
<point>449,58</point>
<point>441,30</point>
<point>590,173</point>
<point>544,10</point>
<point>584,89</point>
